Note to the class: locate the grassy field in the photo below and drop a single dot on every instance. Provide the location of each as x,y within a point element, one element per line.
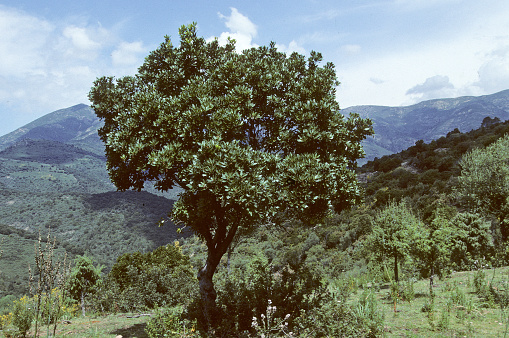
<point>108,326</point>
<point>457,311</point>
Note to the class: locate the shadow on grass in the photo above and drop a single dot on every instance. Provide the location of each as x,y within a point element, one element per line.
<point>421,295</point>
<point>134,331</point>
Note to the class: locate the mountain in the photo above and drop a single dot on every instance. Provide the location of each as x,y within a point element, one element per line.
<point>76,125</point>
<point>397,128</point>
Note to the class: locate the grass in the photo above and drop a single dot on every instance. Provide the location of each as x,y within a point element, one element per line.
<point>457,311</point>
<point>107,326</point>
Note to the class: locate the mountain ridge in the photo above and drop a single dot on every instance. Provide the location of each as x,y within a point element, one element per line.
<point>397,128</point>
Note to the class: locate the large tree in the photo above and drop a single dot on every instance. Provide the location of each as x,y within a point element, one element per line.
<point>249,136</point>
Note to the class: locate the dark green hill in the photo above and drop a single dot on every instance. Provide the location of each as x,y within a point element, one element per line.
<point>44,151</point>
<point>425,173</point>
<point>53,177</point>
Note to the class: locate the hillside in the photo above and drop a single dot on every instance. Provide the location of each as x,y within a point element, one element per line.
<point>397,128</point>
<point>53,177</point>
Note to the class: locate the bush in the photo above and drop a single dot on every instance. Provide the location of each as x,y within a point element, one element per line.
<point>170,322</point>
<point>139,281</point>
<point>246,293</point>
<point>23,314</point>
<point>334,318</point>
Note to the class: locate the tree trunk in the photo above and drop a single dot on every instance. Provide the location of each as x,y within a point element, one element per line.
<point>396,274</point>
<point>208,295</point>
<point>217,246</point>
<point>83,303</point>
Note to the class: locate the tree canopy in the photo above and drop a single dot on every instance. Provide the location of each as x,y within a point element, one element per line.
<point>247,136</point>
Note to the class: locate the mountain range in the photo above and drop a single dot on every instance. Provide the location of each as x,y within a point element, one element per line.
<point>397,128</point>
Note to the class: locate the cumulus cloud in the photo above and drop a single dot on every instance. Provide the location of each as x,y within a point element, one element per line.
<point>23,38</point>
<point>432,84</point>
<point>128,54</point>
<point>242,30</point>
<point>494,72</point>
<point>437,86</point>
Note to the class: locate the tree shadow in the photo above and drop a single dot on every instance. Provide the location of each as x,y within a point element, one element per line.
<point>134,331</point>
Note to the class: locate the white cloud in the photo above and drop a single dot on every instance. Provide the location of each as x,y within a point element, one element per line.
<point>128,54</point>
<point>292,47</point>
<point>433,87</point>
<point>45,66</point>
<point>242,30</point>
<point>494,72</point>
<point>80,38</point>
<point>22,40</point>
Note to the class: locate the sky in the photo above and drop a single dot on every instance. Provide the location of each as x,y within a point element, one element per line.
<point>386,52</point>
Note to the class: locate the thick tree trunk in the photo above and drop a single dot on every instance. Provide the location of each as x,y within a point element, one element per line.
<point>208,295</point>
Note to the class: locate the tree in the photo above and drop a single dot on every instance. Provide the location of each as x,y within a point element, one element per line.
<point>483,185</point>
<point>248,137</point>
<point>395,230</point>
<point>472,240</point>
<point>83,279</point>
<point>434,247</point>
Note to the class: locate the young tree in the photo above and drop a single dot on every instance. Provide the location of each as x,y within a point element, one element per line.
<point>247,136</point>
<point>83,279</point>
<point>434,248</point>
<point>394,234</point>
<point>472,241</point>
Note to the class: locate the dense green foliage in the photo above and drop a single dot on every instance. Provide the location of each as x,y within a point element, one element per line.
<point>142,281</point>
<point>425,174</point>
<point>395,232</point>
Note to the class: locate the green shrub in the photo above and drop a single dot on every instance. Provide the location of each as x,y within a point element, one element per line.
<point>334,318</point>
<point>246,292</point>
<point>138,281</point>
<point>23,314</point>
<point>170,322</point>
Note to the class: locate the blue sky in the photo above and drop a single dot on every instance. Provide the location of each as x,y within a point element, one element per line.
<point>386,52</point>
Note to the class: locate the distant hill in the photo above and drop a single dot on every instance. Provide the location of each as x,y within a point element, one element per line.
<point>397,128</point>
<point>76,125</point>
